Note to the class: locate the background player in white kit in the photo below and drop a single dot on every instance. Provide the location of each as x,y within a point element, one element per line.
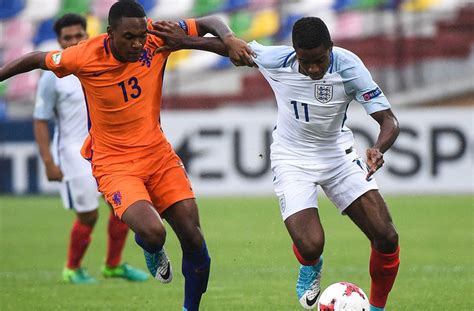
<point>63,100</point>
<point>314,83</point>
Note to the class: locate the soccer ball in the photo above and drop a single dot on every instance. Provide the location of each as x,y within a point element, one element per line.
<point>343,296</point>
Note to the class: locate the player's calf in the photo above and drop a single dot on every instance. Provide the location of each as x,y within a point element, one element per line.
<point>383,272</point>
<point>196,268</point>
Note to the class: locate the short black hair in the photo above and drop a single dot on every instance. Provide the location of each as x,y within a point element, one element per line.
<point>67,20</point>
<point>310,33</point>
<point>124,8</point>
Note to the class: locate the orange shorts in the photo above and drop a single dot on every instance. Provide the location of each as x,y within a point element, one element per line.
<point>160,180</point>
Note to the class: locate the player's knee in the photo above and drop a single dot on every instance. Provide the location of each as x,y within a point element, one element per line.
<point>196,242</point>
<point>154,236</point>
<point>311,249</point>
<point>391,239</point>
<point>192,242</point>
<point>88,218</point>
<point>386,241</point>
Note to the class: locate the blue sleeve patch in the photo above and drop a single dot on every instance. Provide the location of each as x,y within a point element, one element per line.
<point>372,94</point>
<point>184,26</point>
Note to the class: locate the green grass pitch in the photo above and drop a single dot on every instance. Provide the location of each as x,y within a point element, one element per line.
<point>253,267</point>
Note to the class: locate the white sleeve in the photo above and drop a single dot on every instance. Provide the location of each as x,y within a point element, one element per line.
<point>271,57</point>
<point>358,82</point>
<point>46,97</point>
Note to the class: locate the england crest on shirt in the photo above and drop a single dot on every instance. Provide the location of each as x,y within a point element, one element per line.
<point>323,93</point>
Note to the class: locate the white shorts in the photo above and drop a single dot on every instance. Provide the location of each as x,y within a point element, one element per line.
<point>342,179</point>
<point>71,162</point>
<point>80,193</point>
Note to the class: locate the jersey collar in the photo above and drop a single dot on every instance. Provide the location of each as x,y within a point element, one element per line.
<point>106,46</point>
<point>331,62</point>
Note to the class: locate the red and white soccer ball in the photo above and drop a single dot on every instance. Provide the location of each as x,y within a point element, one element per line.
<point>343,296</point>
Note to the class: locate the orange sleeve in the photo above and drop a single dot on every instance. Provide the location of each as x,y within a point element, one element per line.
<point>189,25</point>
<point>63,63</point>
<point>157,41</point>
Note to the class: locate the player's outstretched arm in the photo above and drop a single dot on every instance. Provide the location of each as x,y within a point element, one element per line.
<point>176,39</point>
<point>27,62</point>
<point>389,130</point>
<point>238,50</point>
<point>226,44</point>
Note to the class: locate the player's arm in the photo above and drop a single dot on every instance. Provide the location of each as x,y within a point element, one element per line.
<point>389,130</point>
<point>44,110</point>
<point>41,130</point>
<point>27,62</point>
<point>226,44</point>
<point>358,81</point>
<point>176,39</point>
<point>238,50</point>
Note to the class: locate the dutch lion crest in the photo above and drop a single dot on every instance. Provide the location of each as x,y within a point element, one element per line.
<point>323,93</point>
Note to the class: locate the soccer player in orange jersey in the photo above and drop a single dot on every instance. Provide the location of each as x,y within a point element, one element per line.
<point>138,172</point>
<point>63,101</point>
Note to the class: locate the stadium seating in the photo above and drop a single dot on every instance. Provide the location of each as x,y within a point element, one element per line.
<point>240,22</point>
<point>3,89</point>
<point>204,7</point>
<point>75,6</point>
<point>16,28</point>
<point>405,32</point>
<point>171,9</point>
<point>11,8</point>
<point>45,32</point>
<point>148,5</point>
<point>100,8</point>
<point>21,86</point>
<point>264,24</point>
<point>38,10</point>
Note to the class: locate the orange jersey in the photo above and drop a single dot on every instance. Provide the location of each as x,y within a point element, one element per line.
<point>123,99</point>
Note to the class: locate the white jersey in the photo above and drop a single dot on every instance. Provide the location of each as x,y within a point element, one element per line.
<point>63,101</point>
<point>312,113</point>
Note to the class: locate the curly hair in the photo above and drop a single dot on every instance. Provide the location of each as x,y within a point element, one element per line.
<point>310,33</point>
<point>124,8</point>
<point>67,20</point>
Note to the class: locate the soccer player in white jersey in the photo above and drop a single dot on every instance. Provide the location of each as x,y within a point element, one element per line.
<point>314,82</point>
<point>63,101</point>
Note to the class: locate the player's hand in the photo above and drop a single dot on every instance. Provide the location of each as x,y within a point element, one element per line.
<point>374,161</point>
<point>53,172</point>
<point>240,54</point>
<point>171,33</point>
